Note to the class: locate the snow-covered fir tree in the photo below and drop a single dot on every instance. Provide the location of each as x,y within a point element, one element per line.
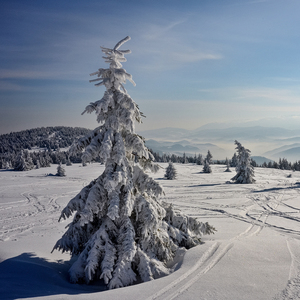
<point>23,162</point>
<point>171,172</point>
<point>227,165</point>
<point>234,161</point>
<point>199,160</point>
<point>244,169</point>
<point>7,165</point>
<point>121,230</point>
<point>68,163</point>
<point>209,157</point>
<point>60,170</point>
<point>184,159</point>
<point>37,165</point>
<point>206,167</point>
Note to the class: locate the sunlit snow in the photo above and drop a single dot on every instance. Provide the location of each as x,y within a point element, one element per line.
<point>255,253</point>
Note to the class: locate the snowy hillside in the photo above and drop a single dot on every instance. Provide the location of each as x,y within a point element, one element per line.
<point>255,253</point>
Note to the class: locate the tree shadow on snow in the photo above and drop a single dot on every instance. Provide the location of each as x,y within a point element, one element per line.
<point>296,186</point>
<point>27,276</point>
<point>200,185</point>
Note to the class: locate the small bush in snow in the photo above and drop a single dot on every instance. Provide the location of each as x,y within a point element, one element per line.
<point>60,170</point>
<point>171,172</point>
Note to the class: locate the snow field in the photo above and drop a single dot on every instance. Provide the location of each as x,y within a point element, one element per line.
<point>253,255</point>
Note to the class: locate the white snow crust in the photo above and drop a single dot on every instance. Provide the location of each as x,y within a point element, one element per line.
<point>255,253</point>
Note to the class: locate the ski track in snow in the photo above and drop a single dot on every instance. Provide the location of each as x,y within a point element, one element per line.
<point>207,261</point>
<point>33,210</point>
<point>257,212</point>
<point>292,290</point>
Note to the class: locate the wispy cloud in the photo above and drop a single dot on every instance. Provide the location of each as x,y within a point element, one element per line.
<point>281,96</point>
<point>34,74</point>
<point>193,56</point>
<point>171,47</point>
<point>158,31</point>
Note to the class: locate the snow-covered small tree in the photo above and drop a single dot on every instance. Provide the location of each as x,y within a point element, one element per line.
<point>199,160</point>
<point>121,229</point>
<point>209,157</point>
<point>234,161</point>
<point>244,169</point>
<point>171,173</point>
<point>37,165</point>
<point>227,165</point>
<point>206,167</point>
<point>68,163</point>
<point>184,159</point>
<point>60,170</point>
<point>23,162</point>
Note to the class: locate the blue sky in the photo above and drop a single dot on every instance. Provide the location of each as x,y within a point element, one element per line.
<point>194,62</point>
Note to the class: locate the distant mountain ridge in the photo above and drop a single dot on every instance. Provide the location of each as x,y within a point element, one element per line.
<point>254,133</point>
<point>184,146</point>
<point>290,152</point>
<point>257,138</point>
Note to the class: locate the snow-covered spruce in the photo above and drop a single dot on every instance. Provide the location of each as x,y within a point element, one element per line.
<point>206,167</point>
<point>61,170</point>
<point>234,161</point>
<point>227,165</point>
<point>244,169</point>
<point>23,162</point>
<point>171,172</point>
<point>209,157</point>
<point>120,229</point>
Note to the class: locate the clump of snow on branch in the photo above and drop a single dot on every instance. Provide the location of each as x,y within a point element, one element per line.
<point>121,230</point>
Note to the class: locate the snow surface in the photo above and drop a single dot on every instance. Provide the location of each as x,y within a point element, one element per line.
<point>255,254</point>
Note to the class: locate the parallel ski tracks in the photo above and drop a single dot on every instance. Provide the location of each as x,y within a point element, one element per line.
<point>256,214</point>
<point>24,215</point>
<point>292,289</point>
<point>209,259</point>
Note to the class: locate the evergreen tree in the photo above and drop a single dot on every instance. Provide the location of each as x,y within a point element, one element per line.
<point>206,167</point>
<point>199,160</point>
<point>234,161</point>
<point>244,169</point>
<point>38,165</point>
<point>7,165</point>
<point>23,162</point>
<point>121,229</point>
<point>60,170</point>
<point>227,165</point>
<point>184,159</point>
<point>209,157</point>
<point>68,163</point>
<point>171,172</point>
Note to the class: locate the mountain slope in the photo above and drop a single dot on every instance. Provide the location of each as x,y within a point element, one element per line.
<point>44,137</point>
